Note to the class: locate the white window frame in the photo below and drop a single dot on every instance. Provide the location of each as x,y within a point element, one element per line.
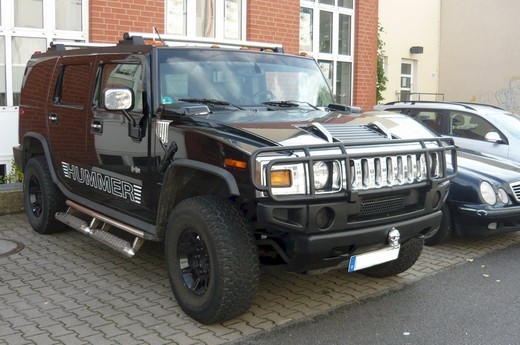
<point>191,13</point>
<point>333,57</point>
<point>48,32</point>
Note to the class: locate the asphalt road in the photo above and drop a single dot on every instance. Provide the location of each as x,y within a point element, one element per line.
<point>474,303</point>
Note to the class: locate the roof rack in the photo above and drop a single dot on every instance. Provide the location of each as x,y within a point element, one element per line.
<point>133,38</point>
<point>67,45</point>
<point>462,104</point>
<point>480,104</point>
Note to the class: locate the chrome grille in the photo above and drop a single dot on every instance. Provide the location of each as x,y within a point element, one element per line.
<point>366,173</point>
<point>516,190</point>
<point>382,205</point>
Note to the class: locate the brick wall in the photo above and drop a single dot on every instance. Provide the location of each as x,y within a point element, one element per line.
<point>275,22</point>
<point>109,19</point>
<point>365,58</point>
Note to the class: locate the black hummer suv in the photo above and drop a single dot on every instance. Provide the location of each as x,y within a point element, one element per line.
<point>231,157</point>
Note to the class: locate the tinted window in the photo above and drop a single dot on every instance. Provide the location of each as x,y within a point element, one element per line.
<point>124,75</point>
<point>470,126</point>
<point>73,85</point>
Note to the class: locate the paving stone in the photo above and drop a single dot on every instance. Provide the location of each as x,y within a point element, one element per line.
<point>68,289</point>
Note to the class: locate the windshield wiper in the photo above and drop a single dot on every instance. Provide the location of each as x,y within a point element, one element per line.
<point>288,104</point>
<point>209,101</point>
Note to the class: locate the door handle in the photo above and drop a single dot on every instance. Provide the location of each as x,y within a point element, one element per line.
<point>96,126</point>
<point>53,118</point>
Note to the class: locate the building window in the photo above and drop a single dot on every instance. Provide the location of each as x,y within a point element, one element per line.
<point>221,19</point>
<point>326,33</point>
<point>306,29</point>
<point>28,13</point>
<point>22,49</point>
<point>344,35</point>
<point>176,13</point>
<point>343,84</point>
<point>2,173</point>
<point>205,18</point>
<point>68,15</point>
<point>232,19</point>
<point>406,80</point>
<point>3,99</point>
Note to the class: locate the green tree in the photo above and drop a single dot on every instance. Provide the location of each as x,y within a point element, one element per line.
<point>381,78</point>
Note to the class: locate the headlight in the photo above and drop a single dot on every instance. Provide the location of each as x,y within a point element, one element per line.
<point>502,196</point>
<point>321,174</point>
<point>327,176</point>
<point>488,193</point>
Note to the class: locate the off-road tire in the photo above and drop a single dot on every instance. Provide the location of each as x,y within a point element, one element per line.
<point>408,255</point>
<point>444,231</point>
<point>42,198</point>
<point>209,238</point>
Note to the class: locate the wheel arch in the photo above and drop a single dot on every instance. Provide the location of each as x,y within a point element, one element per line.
<point>35,144</point>
<point>186,178</point>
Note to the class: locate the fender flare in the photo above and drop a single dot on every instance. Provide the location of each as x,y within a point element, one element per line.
<point>219,172</point>
<point>46,152</point>
<point>167,200</point>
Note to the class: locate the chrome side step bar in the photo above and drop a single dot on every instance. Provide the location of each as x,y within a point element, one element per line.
<point>99,227</point>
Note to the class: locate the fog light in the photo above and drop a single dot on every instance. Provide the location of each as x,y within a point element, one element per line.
<point>492,226</point>
<point>324,218</point>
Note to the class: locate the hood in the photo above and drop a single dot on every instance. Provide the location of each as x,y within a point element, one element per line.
<point>272,128</point>
<point>481,167</point>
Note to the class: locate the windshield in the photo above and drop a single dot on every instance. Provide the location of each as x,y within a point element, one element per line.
<point>239,77</point>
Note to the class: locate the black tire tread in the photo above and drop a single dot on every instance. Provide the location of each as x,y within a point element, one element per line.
<point>239,267</point>
<point>53,199</point>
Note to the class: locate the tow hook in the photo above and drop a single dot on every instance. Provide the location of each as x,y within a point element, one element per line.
<point>393,237</point>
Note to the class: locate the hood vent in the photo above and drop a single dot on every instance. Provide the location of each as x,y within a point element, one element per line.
<point>347,133</point>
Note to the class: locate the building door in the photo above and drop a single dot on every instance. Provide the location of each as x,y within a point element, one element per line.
<point>407,73</point>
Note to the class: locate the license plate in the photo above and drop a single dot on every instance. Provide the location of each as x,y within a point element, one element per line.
<point>376,257</point>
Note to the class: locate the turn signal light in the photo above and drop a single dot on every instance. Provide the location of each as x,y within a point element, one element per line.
<point>281,178</point>
<point>233,163</point>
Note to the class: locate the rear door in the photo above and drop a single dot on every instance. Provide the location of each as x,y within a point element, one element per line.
<point>67,119</point>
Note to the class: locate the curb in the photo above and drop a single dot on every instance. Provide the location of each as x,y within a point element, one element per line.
<point>11,198</point>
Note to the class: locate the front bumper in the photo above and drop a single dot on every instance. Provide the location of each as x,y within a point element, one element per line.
<point>319,250</point>
<point>471,219</point>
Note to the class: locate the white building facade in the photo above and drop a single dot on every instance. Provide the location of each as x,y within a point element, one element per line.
<point>27,26</point>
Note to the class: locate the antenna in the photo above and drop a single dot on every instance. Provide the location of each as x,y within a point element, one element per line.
<point>159,35</point>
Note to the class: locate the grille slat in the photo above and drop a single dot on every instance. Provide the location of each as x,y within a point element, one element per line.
<point>516,190</point>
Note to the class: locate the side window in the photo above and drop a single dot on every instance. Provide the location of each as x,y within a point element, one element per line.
<point>73,85</point>
<point>470,126</point>
<point>123,75</point>
<point>430,119</point>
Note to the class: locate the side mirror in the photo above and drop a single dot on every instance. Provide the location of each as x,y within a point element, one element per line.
<point>493,137</point>
<point>118,99</point>
<point>123,99</point>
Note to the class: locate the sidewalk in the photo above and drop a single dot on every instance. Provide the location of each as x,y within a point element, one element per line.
<point>69,289</point>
